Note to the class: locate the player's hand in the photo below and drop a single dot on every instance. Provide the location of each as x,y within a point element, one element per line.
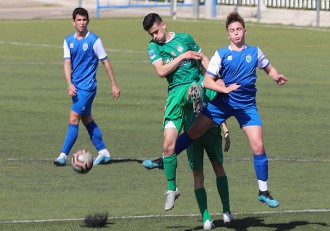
<point>115,91</point>
<point>227,141</point>
<point>192,55</point>
<point>232,87</point>
<point>281,79</point>
<point>72,90</point>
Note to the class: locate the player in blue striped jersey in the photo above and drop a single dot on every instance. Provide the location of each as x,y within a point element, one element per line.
<point>82,52</point>
<point>237,63</point>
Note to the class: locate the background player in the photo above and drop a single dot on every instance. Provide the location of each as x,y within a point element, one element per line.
<point>82,52</point>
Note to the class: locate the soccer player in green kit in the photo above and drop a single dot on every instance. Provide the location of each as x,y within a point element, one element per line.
<point>211,143</point>
<point>177,58</point>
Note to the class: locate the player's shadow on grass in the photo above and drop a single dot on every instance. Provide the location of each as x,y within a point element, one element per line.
<point>97,220</point>
<point>121,160</point>
<point>249,222</point>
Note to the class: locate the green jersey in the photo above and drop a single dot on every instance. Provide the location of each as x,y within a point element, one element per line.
<point>189,70</point>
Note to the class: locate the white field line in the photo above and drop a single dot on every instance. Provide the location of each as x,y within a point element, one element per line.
<point>145,158</point>
<point>61,63</point>
<point>13,43</point>
<point>60,47</point>
<point>160,216</point>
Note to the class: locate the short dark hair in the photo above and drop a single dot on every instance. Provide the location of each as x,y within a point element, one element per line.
<point>80,11</point>
<point>234,17</point>
<point>150,19</point>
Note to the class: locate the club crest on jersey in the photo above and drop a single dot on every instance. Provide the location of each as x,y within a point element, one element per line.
<point>85,46</point>
<point>180,48</point>
<point>151,54</point>
<point>71,45</point>
<point>248,58</point>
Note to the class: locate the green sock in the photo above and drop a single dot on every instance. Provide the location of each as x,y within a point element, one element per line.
<point>222,185</point>
<point>201,198</point>
<point>170,164</point>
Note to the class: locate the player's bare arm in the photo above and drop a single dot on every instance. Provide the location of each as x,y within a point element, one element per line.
<point>224,128</point>
<point>67,72</point>
<point>280,79</point>
<point>163,70</point>
<point>210,83</point>
<point>204,61</point>
<point>111,75</point>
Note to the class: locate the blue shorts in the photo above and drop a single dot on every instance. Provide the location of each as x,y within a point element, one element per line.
<point>245,117</point>
<point>82,102</point>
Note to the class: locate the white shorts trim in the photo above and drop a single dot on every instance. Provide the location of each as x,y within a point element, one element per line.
<point>170,124</point>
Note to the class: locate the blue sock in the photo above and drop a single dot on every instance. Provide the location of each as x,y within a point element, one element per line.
<point>70,138</point>
<point>261,166</point>
<point>182,143</point>
<point>95,135</point>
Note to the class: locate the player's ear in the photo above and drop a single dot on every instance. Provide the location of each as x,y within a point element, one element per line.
<point>163,25</point>
<point>73,22</point>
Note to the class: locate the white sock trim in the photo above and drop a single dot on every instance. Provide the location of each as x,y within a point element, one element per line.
<point>62,155</point>
<point>263,185</point>
<point>104,152</point>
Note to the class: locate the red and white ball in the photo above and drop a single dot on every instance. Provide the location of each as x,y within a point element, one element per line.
<point>82,161</point>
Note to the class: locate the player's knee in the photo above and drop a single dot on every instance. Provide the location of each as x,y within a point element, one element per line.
<point>73,120</point>
<point>258,147</point>
<point>86,119</point>
<point>218,169</point>
<point>168,149</point>
<point>198,173</point>
<point>198,178</point>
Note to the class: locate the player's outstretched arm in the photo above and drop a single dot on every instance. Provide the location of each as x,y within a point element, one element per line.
<point>280,79</point>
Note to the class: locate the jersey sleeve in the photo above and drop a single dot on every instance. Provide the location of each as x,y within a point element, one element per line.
<point>99,49</point>
<point>192,44</point>
<point>263,62</point>
<point>153,53</point>
<point>214,65</point>
<point>66,50</point>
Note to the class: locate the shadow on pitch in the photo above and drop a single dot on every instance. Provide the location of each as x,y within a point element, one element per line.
<point>250,222</point>
<point>122,160</point>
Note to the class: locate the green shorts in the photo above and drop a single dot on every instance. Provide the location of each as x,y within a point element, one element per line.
<point>177,106</point>
<point>211,142</point>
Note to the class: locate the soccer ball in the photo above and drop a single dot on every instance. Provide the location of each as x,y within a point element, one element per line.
<point>82,161</point>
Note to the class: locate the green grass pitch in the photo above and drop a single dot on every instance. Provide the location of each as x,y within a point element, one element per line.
<point>34,106</point>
